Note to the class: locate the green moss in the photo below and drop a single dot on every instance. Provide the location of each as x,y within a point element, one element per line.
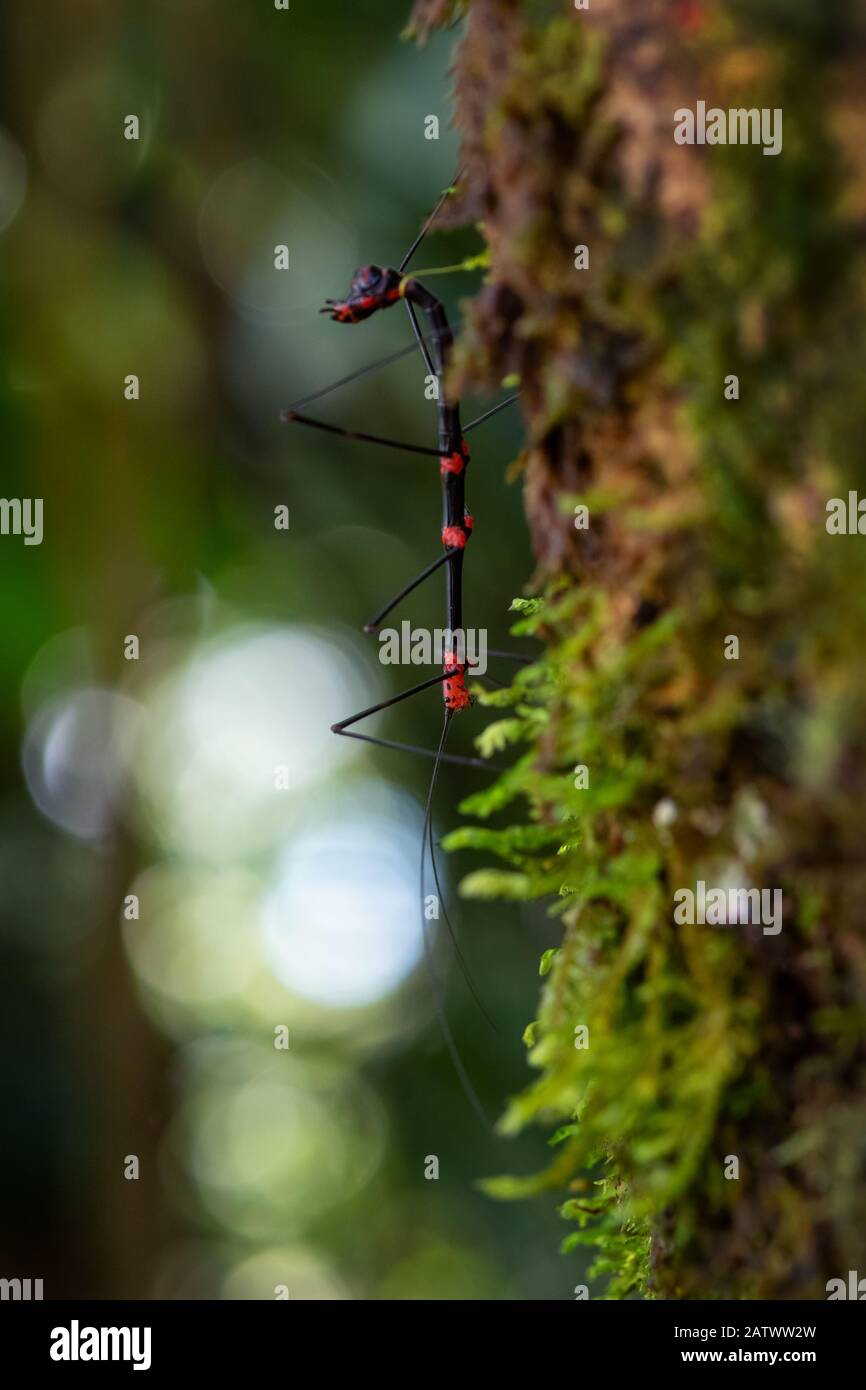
<point>707,520</point>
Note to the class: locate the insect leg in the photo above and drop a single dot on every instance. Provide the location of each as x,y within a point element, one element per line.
<point>419,338</point>
<point>369,368</point>
<point>500,685</point>
<point>512,656</point>
<point>372,625</point>
<point>291,417</point>
<point>344,729</point>
<point>438,991</point>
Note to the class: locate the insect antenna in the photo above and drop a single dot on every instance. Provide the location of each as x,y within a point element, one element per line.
<point>479,420</point>
<point>461,960</point>
<point>500,685</point>
<point>429,223</point>
<point>388,361</point>
<point>420,342</point>
<point>438,994</point>
<point>352,376</point>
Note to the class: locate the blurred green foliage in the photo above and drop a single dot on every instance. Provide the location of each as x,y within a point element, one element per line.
<point>154,1037</point>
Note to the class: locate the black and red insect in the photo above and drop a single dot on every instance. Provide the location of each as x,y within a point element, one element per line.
<point>372,289</point>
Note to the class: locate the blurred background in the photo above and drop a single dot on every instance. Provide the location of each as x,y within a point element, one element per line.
<point>171,905</point>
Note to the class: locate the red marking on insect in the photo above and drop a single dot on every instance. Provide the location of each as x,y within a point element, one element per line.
<point>454,690</point>
<point>456,462</point>
<point>455,537</point>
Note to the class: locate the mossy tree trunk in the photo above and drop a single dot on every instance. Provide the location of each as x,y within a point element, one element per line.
<point>736,763</point>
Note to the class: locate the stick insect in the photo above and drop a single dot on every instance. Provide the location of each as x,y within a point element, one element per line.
<point>372,289</point>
